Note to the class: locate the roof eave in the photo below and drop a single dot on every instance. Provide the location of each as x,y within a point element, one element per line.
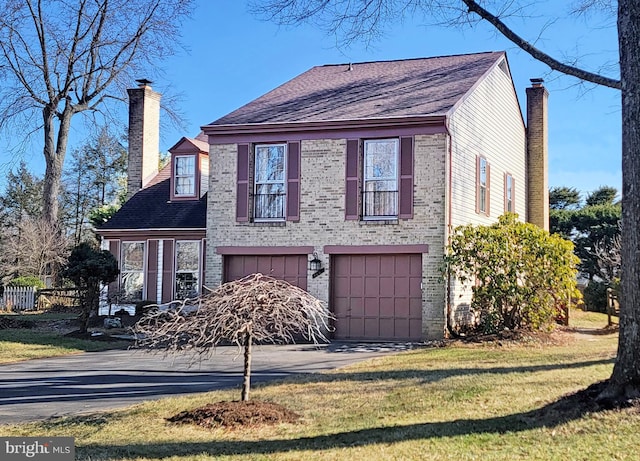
<point>323,125</point>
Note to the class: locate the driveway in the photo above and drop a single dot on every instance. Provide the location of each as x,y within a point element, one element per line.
<point>97,381</point>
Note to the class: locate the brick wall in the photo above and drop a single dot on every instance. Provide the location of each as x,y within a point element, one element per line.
<point>322,216</point>
<point>144,137</point>
<point>537,155</point>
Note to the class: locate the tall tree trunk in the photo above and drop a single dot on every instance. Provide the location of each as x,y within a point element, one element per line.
<point>624,383</point>
<point>55,149</point>
<point>246,383</point>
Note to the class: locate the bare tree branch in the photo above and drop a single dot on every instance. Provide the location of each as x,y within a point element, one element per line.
<point>366,20</point>
<point>257,308</point>
<point>537,53</point>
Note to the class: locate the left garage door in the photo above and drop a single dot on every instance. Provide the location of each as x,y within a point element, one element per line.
<point>292,268</point>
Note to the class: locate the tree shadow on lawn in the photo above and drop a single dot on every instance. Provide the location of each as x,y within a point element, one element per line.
<point>85,343</point>
<point>566,409</point>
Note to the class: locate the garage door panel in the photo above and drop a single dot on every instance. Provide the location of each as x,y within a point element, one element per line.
<point>401,324</point>
<point>415,326</point>
<point>291,268</point>
<point>387,307</point>
<point>371,328</point>
<point>356,265</point>
<point>356,286</point>
<point>415,308</point>
<point>384,296</point>
<point>372,307</point>
<point>372,265</point>
<point>387,265</point>
<point>356,307</point>
<point>356,328</point>
<point>401,287</point>
<point>371,286</point>
<point>415,263</point>
<point>402,307</point>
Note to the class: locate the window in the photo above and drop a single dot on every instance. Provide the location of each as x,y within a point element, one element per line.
<point>187,269</point>
<point>132,270</point>
<point>482,184</point>
<point>269,180</point>
<point>185,175</point>
<point>380,179</point>
<point>508,193</point>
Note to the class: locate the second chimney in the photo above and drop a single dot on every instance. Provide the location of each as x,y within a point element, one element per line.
<point>144,136</point>
<point>537,155</point>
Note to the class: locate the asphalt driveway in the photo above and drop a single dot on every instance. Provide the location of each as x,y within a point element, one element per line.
<point>96,381</point>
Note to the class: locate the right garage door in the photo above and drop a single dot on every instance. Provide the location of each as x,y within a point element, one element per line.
<point>377,297</point>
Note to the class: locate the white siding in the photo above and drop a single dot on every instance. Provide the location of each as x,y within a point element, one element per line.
<point>487,123</point>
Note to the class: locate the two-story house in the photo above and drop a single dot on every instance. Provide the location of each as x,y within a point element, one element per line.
<point>346,181</point>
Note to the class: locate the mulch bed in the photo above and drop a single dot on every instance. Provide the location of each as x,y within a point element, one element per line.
<point>236,414</point>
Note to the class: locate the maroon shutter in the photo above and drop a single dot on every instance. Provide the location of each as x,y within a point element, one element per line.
<point>477,184</point>
<point>352,191</point>
<point>488,201</point>
<point>405,191</point>
<point>152,272</point>
<point>203,264</point>
<point>242,184</point>
<point>513,194</point>
<point>293,181</point>
<point>168,278</point>
<point>114,249</point>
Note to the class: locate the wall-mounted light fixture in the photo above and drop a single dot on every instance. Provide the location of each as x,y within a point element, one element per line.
<point>315,265</point>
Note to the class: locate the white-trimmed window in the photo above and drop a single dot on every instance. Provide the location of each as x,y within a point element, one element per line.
<point>380,179</point>
<point>132,270</point>
<point>508,193</point>
<point>270,182</point>
<point>482,185</point>
<point>184,175</point>
<point>187,269</point>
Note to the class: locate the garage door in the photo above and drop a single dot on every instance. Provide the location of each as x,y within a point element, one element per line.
<point>377,297</point>
<point>292,268</point>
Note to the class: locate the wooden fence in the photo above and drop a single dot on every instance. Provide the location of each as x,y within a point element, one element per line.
<point>30,298</point>
<point>19,298</point>
<point>613,307</point>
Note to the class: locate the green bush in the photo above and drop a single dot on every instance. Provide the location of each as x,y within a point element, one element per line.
<point>595,297</point>
<point>27,281</point>
<point>520,274</point>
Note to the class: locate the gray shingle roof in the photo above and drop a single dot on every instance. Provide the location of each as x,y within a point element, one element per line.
<point>150,208</point>
<point>412,87</point>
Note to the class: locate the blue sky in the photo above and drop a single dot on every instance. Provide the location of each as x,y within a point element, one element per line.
<point>233,57</point>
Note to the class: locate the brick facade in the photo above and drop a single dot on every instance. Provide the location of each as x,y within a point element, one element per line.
<point>322,216</point>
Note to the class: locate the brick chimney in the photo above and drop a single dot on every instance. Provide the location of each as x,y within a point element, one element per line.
<point>537,155</point>
<point>144,136</point>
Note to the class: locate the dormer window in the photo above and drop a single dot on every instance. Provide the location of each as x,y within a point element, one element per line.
<point>185,176</point>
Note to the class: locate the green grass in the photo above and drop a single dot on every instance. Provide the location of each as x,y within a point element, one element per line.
<point>27,343</point>
<point>461,402</point>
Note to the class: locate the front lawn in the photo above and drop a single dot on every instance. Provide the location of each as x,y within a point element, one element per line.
<point>40,334</point>
<point>492,401</point>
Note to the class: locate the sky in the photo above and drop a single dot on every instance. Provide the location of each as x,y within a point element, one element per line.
<point>231,57</point>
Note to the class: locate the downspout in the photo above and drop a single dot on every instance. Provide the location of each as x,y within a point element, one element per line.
<point>448,225</point>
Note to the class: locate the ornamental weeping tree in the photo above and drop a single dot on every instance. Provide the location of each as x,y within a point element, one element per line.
<point>255,309</point>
